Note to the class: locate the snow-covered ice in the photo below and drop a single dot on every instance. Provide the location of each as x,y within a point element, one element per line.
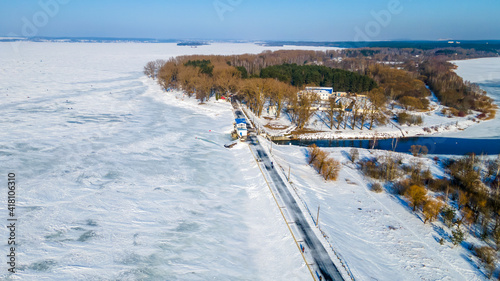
<point>479,70</point>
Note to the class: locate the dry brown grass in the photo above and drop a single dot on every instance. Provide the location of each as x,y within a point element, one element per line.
<point>276,126</point>
<point>329,168</point>
<point>304,131</point>
<point>491,113</point>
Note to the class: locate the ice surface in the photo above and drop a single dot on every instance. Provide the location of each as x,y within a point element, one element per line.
<point>118,181</point>
<point>479,70</point>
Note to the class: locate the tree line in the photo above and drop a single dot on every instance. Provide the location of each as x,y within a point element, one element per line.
<point>207,76</point>
<point>327,167</point>
<point>319,75</point>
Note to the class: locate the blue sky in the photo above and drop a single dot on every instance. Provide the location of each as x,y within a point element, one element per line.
<point>319,20</point>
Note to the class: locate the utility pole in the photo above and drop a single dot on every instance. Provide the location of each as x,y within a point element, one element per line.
<point>317,217</point>
<point>289,168</point>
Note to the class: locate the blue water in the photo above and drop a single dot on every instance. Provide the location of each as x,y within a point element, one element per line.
<point>435,145</point>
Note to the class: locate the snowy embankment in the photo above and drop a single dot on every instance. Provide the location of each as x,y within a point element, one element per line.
<point>377,234</point>
<point>434,122</point>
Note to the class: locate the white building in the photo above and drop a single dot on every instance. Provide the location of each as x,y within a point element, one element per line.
<point>324,93</point>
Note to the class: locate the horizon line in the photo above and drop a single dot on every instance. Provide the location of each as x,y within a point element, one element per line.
<point>240,40</point>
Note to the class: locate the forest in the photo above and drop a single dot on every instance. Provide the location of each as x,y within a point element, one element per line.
<point>452,91</point>
<point>319,75</point>
<point>481,48</point>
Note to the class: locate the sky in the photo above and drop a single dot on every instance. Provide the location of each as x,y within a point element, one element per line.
<point>297,20</point>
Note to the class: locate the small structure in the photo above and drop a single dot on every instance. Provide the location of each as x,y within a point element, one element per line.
<point>241,127</point>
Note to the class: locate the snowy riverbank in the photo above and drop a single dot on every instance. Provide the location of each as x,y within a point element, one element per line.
<point>434,122</point>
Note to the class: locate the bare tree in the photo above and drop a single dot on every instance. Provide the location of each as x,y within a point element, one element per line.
<point>304,108</point>
<point>186,80</point>
<point>330,169</point>
<point>279,93</point>
<point>340,115</point>
<point>331,111</point>
<point>355,110</point>
<point>168,75</point>
<point>364,112</point>
<point>372,114</point>
<point>159,63</point>
<point>256,91</point>
<point>202,85</point>
<point>431,209</point>
<point>417,195</point>
<point>225,80</point>
<point>150,69</point>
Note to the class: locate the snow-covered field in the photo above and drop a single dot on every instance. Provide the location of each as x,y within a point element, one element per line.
<point>118,181</point>
<point>377,234</point>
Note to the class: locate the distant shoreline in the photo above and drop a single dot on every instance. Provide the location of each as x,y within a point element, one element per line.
<point>489,45</point>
